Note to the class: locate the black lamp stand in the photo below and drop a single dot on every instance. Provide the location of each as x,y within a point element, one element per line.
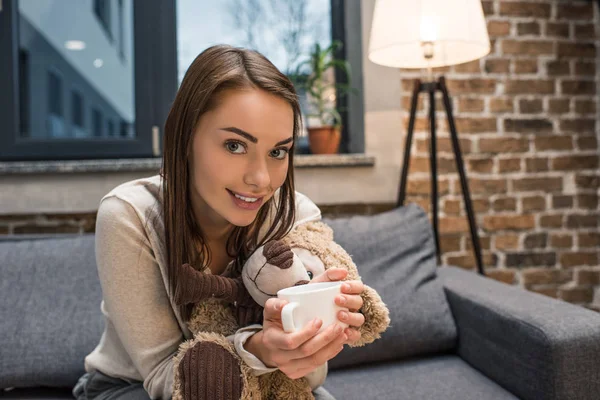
<point>431,88</point>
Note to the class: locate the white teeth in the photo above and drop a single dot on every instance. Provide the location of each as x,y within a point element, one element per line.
<point>246,199</point>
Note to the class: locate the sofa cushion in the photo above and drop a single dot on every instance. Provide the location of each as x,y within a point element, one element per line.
<point>50,315</point>
<point>395,254</point>
<point>445,377</point>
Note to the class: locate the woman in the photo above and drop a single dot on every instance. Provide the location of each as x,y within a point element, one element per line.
<point>228,161</point>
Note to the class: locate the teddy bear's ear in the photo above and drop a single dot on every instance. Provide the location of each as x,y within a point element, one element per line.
<point>320,227</point>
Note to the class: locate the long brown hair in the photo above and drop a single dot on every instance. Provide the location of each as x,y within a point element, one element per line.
<point>216,69</point>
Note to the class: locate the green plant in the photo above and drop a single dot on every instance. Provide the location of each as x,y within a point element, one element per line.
<point>316,76</point>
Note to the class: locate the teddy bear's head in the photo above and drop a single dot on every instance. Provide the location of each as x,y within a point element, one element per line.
<point>273,267</point>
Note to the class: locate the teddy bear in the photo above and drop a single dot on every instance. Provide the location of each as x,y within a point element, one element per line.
<point>225,303</point>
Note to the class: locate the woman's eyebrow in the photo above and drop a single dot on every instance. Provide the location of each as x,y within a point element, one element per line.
<point>251,138</point>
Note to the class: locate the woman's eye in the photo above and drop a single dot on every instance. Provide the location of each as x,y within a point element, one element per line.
<point>280,153</point>
<point>310,275</point>
<point>233,146</point>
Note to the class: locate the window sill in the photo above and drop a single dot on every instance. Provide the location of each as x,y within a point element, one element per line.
<point>149,164</point>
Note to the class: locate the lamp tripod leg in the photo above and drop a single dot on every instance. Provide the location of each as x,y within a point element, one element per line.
<point>408,143</point>
<point>463,178</point>
<point>433,163</point>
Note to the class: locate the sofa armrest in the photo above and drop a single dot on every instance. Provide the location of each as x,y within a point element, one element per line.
<point>532,345</point>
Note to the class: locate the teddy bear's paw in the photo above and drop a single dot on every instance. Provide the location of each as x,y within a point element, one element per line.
<point>210,372</point>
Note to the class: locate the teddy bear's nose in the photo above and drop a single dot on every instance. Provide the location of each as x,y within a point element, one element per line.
<point>299,283</point>
<point>278,254</point>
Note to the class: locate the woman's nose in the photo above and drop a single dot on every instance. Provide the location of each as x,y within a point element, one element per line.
<point>258,175</point>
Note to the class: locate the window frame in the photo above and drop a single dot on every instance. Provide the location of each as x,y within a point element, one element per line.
<point>154,38</point>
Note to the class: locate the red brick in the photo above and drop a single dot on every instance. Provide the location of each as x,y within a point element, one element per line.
<point>503,145</point>
<point>498,28</point>
<point>587,201</point>
<point>505,204</point>
<point>475,125</point>
<point>501,275</point>
<point>535,240</point>
<point>530,86</point>
<point>423,186</point>
<point>485,242</point>
<point>561,241</point>
<point>540,276</point>
<point>452,207</point>
<point>523,9</point>
<point>468,261</point>
<point>578,87</point>
<point>528,106</point>
<point>587,181</point>
<point>501,105</point>
<point>556,68</point>
<point>562,201</point>
<point>533,184</point>
<point>531,258</point>
<point>588,239</point>
<point>534,125</point>
<point>470,105</point>
<point>497,66</point>
<point>451,225</point>
<point>526,66</point>
<point>43,229</point>
<point>488,7</point>
<point>533,203</point>
<point>576,221</point>
<point>509,165</point>
<point>527,47</point>
<point>585,106</point>
<point>587,143</point>
<point>450,243</point>
<point>576,50</point>
<point>506,242</point>
<point>474,85</point>
<point>551,221</point>
<point>560,30</point>
<point>556,142</point>
<point>578,125</point>
<point>585,31</point>
<point>558,106</point>
<point>480,165</point>
<point>536,164</point>
<point>576,294</point>
<point>587,68</point>
<point>587,276</point>
<point>528,28</point>
<point>574,163</point>
<point>579,258</point>
<point>508,222</point>
<point>470,67</point>
<point>549,291</point>
<point>575,11</point>
<point>487,186</point>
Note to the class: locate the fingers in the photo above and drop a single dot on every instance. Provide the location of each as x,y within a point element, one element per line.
<point>331,275</point>
<point>352,319</point>
<point>281,340</point>
<point>351,302</point>
<point>353,287</point>
<point>319,342</point>
<point>353,335</point>
<point>273,308</point>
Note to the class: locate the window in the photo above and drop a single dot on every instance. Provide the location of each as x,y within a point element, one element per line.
<point>56,126</point>
<point>77,109</point>
<point>96,122</point>
<point>102,11</point>
<point>284,31</point>
<point>52,78</point>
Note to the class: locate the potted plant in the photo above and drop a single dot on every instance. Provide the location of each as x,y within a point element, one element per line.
<point>316,76</point>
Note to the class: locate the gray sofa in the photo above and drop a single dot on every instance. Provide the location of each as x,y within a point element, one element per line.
<point>454,335</point>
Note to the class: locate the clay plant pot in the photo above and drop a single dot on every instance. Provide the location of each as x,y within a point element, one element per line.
<point>324,140</point>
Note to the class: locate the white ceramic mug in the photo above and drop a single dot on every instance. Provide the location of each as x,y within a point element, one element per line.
<point>310,301</point>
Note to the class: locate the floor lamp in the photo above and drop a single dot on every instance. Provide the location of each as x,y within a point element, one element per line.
<point>425,34</point>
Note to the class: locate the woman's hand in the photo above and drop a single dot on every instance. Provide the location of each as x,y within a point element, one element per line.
<point>350,299</point>
<point>298,353</point>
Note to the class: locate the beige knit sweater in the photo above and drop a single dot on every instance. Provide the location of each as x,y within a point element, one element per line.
<point>143,327</point>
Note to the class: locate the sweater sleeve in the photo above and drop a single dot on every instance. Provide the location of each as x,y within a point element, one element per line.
<point>134,295</point>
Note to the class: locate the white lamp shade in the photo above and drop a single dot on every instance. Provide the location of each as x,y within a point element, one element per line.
<point>457,29</point>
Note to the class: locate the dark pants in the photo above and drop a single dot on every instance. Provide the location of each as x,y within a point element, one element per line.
<point>97,386</point>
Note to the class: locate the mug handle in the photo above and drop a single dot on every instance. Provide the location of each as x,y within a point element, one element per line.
<point>287,317</point>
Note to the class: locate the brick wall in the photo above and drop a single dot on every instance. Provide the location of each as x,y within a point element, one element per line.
<point>526,119</point>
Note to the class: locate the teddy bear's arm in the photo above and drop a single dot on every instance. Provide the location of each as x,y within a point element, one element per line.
<point>195,286</point>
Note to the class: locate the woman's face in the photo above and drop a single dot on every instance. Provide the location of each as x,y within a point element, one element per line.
<point>240,147</point>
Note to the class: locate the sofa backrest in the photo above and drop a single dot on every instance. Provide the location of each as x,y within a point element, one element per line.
<point>50,316</point>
